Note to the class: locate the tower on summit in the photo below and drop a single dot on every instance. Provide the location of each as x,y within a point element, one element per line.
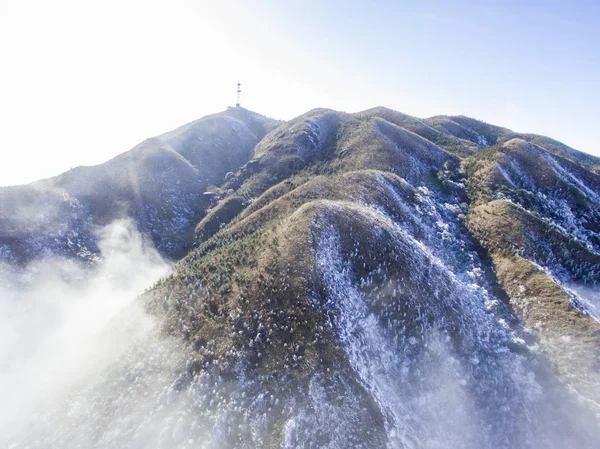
<point>239,91</point>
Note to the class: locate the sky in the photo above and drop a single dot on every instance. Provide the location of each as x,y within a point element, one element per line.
<point>82,81</point>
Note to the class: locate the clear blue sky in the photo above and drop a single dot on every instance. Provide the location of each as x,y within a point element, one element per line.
<point>82,82</point>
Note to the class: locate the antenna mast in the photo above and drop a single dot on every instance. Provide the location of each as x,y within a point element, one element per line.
<point>239,91</point>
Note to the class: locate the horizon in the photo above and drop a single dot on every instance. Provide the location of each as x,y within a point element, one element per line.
<point>77,95</point>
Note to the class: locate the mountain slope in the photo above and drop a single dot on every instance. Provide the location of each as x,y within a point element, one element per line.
<point>538,218</point>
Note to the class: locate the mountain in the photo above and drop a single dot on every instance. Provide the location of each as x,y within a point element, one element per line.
<point>161,184</point>
<point>352,280</point>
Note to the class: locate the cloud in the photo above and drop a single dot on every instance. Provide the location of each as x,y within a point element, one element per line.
<point>53,333</point>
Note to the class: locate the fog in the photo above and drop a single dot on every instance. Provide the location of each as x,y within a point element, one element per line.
<point>586,298</point>
<point>61,323</point>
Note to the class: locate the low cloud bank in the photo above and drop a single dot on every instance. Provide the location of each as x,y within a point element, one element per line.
<point>53,333</point>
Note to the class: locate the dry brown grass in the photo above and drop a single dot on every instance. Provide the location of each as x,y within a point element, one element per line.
<point>218,217</point>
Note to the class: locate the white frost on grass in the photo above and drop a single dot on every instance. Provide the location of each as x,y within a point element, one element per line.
<point>429,389</point>
<point>569,178</point>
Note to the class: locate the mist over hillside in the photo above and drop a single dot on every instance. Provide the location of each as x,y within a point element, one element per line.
<point>337,280</point>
